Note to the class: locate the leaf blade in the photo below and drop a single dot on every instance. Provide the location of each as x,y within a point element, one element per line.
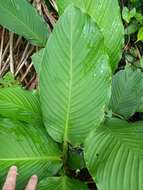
<point>126,92</point>
<point>109,21</point>
<point>75,79</point>
<point>19,104</point>
<point>116,155</point>
<point>35,153</point>
<point>61,183</point>
<point>21,18</point>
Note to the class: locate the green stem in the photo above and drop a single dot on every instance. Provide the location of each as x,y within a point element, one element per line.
<point>65,152</point>
<point>117,115</point>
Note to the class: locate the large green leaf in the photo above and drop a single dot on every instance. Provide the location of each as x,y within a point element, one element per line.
<point>114,155</point>
<point>74,78</point>
<point>29,148</point>
<point>19,104</point>
<point>106,13</point>
<point>61,183</point>
<point>20,17</point>
<point>127,90</point>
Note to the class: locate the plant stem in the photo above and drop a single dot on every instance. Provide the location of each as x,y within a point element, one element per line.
<point>65,152</point>
<point>11,53</point>
<point>117,115</point>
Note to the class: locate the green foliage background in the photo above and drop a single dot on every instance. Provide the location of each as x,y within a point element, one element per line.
<point>82,127</point>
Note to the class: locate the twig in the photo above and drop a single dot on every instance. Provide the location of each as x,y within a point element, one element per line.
<point>23,55</point>
<point>5,51</point>
<point>6,65</point>
<point>26,73</point>
<point>11,53</point>
<point>25,60</point>
<point>138,52</point>
<point>48,15</point>
<point>53,3</point>
<point>38,6</point>
<point>17,42</point>
<point>32,83</point>
<point>1,47</point>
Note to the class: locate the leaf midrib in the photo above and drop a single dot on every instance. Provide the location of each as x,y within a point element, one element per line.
<point>46,158</point>
<point>22,23</point>
<point>64,183</point>
<point>70,86</point>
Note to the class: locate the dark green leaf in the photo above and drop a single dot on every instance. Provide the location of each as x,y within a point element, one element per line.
<point>127,90</point>
<point>114,155</point>
<point>20,17</point>
<point>29,148</point>
<point>131,29</point>
<point>75,158</point>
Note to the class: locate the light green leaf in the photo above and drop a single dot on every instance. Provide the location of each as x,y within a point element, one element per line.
<point>106,14</point>
<point>127,90</point>
<point>20,17</point>
<point>19,104</point>
<point>140,34</point>
<point>30,149</point>
<point>114,155</point>
<point>75,78</point>
<point>133,12</point>
<point>128,15</point>
<point>61,183</point>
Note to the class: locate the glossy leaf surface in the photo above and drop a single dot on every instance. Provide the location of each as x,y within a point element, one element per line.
<point>114,155</point>
<point>19,104</point>
<point>127,91</point>
<point>29,148</point>
<point>73,75</point>
<point>20,17</point>
<point>106,14</point>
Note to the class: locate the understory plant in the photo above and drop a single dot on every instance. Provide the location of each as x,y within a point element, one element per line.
<point>80,115</point>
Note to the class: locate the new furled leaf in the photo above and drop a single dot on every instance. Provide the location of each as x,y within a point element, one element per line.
<point>106,14</point>
<point>19,104</point>
<point>114,155</point>
<point>20,17</point>
<point>30,149</point>
<point>61,183</point>
<point>127,90</point>
<point>74,73</point>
